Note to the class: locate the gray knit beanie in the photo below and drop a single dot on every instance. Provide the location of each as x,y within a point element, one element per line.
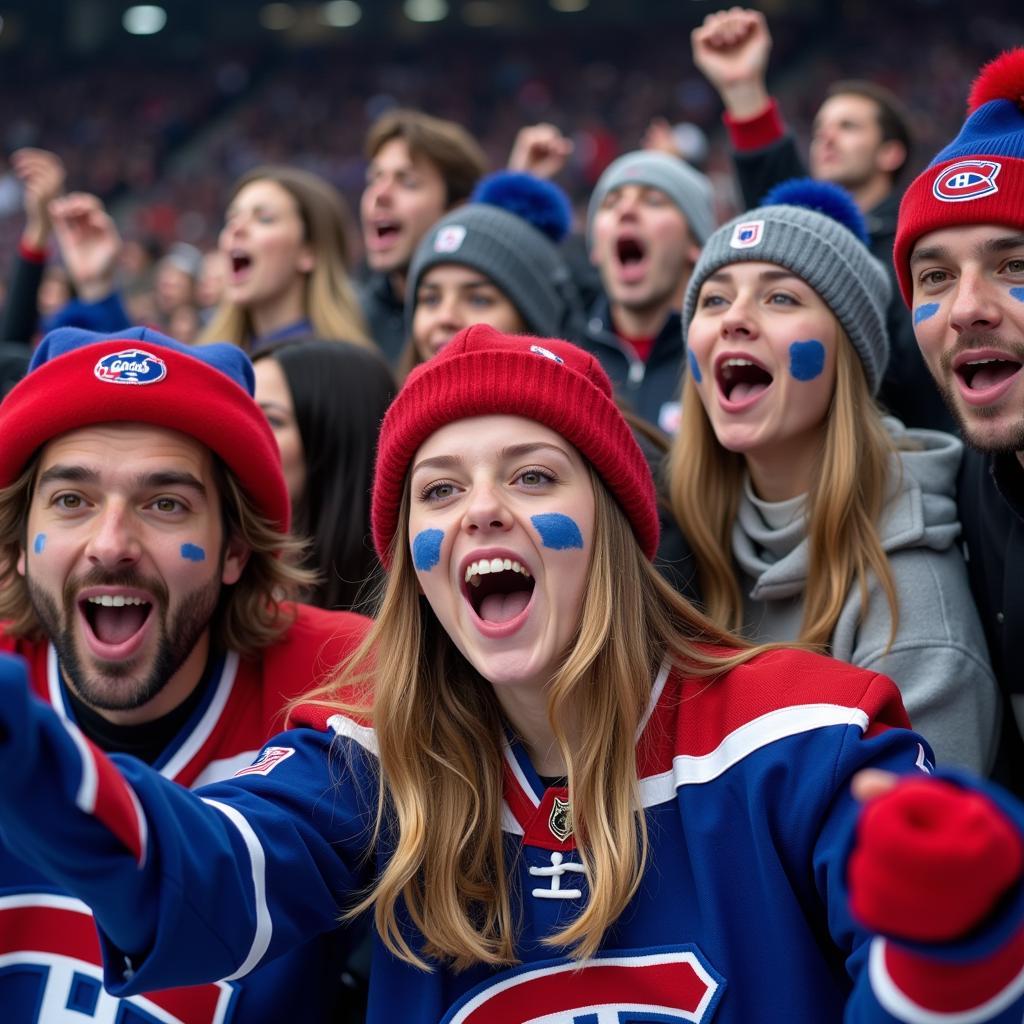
<point>690,190</point>
<point>521,261</point>
<point>824,246</point>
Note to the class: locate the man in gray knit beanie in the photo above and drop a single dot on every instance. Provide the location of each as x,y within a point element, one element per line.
<point>649,215</point>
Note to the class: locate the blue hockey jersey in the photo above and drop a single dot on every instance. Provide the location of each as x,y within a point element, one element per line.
<point>741,916</point>
<point>50,962</point>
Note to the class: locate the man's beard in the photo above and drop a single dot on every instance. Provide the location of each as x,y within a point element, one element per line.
<point>176,638</point>
<point>1013,440</point>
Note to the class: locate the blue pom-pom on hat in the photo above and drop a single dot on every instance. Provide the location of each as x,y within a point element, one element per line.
<point>540,203</point>
<point>822,197</point>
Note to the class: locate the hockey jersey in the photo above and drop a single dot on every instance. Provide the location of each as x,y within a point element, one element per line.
<point>50,965</point>
<point>741,915</point>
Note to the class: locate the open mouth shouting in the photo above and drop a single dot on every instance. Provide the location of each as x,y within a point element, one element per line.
<point>985,375</point>
<point>741,381</point>
<point>240,263</point>
<point>631,253</point>
<point>115,621</point>
<point>499,588</point>
<point>382,234</point>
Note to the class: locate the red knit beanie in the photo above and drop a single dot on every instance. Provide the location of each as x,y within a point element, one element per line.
<point>79,379</point>
<point>979,177</point>
<point>482,372</point>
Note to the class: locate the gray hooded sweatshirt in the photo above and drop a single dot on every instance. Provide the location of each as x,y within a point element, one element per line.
<point>938,658</point>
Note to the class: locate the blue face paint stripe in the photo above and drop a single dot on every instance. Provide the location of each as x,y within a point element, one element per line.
<point>193,553</point>
<point>806,359</point>
<point>927,311</point>
<point>39,543</point>
<point>694,367</point>
<point>1017,293</point>
<point>426,549</point>
<point>557,531</point>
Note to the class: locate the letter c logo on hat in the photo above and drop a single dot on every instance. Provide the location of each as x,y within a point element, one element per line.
<point>131,366</point>
<point>966,180</point>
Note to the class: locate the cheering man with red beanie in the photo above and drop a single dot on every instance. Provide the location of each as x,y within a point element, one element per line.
<point>959,258</point>
<point>145,565</point>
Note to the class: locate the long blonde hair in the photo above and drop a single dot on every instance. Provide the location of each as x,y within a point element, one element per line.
<point>330,300</point>
<point>843,506</point>
<point>440,735</point>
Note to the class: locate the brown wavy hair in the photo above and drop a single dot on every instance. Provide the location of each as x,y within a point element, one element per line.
<point>251,613</point>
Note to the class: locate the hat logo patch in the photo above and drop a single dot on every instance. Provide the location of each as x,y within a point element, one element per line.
<point>450,238</point>
<point>546,353</point>
<point>747,235</point>
<point>131,366</point>
<point>966,180</point>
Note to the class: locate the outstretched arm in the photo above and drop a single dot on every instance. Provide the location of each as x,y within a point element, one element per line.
<point>186,887</point>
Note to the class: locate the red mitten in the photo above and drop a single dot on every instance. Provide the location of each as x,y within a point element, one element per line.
<point>931,861</point>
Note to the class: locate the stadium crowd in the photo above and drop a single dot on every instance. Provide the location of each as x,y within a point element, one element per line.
<point>613,490</point>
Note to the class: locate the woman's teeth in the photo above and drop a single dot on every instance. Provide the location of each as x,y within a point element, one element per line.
<point>484,566</point>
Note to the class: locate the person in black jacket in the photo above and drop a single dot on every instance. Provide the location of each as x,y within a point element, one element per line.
<point>419,168</point>
<point>861,140</point>
<point>959,258</point>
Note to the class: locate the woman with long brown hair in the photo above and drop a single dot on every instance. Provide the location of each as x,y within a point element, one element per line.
<point>811,517</point>
<point>286,246</point>
<point>561,792</point>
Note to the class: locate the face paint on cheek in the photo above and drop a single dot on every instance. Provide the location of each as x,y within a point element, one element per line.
<point>426,549</point>
<point>39,543</point>
<point>1017,293</point>
<point>694,367</point>
<point>193,553</point>
<point>928,310</point>
<point>806,359</point>
<point>557,531</point>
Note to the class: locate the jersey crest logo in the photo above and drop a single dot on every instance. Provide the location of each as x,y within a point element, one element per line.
<point>966,180</point>
<point>267,761</point>
<point>671,985</point>
<point>132,366</point>
<point>560,820</point>
<point>747,235</point>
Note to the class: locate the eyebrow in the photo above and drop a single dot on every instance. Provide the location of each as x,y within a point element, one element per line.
<point>146,481</point>
<point>992,246</point>
<point>723,276</point>
<point>515,451</point>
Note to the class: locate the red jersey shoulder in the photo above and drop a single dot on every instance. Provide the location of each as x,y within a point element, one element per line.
<point>35,653</point>
<point>695,716</point>
<point>310,649</point>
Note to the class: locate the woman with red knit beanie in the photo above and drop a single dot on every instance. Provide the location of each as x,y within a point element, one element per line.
<point>563,794</point>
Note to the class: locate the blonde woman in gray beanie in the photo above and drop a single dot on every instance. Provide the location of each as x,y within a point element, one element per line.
<point>811,517</point>
<point>495,261</point>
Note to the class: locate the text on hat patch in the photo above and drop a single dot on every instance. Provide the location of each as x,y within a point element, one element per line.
<point>131,366</point>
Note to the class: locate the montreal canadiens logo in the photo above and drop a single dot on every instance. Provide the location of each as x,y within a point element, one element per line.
<point>673,985</point>
<point>132,366</point>
<point>966,180</point>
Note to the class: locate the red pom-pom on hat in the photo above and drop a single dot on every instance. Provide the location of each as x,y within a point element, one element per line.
<point>1000,79</point>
